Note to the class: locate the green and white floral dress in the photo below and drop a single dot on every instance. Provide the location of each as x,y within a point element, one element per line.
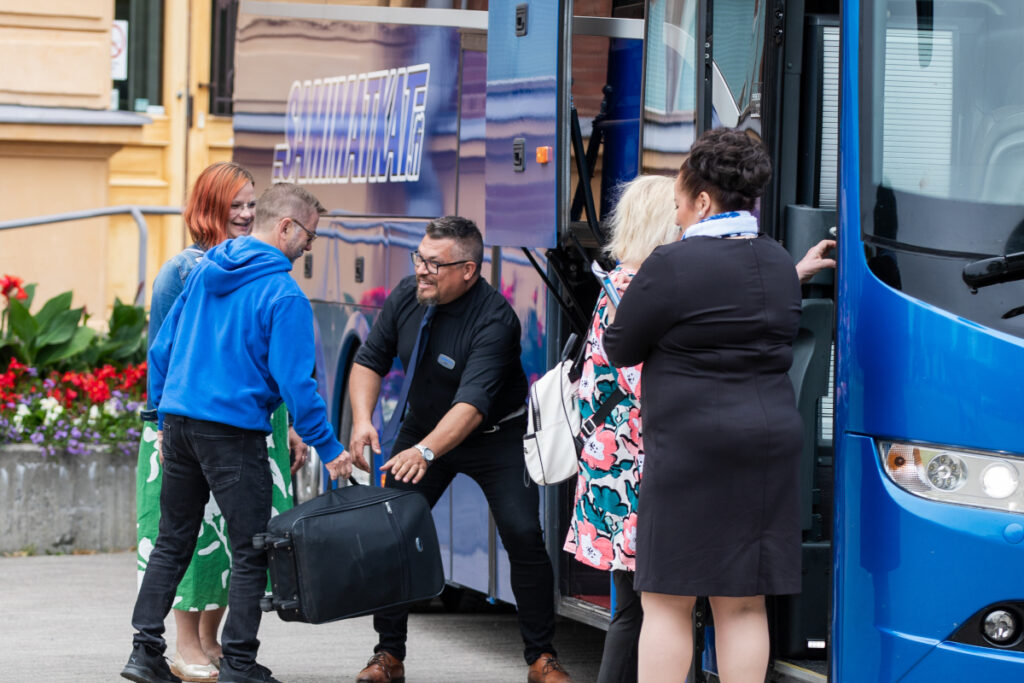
<point>205,584</point>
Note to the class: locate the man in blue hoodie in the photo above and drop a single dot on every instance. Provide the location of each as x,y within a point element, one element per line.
<point>238,341</point>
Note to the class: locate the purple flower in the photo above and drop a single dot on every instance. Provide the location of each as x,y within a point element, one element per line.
<point>76,433</point>
<point>37,438</point>
<point>49,383</point>
<point>32,372</point>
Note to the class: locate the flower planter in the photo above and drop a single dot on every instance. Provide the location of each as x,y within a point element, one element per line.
<point>64,502</point>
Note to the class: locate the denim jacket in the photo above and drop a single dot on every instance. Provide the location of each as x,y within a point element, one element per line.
<point>168,285</point>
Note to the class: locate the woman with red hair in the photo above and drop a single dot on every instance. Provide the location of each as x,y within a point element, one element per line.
<point>220,207</point>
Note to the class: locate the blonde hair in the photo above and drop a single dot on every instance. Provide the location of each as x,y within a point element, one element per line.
<point>644,219</point>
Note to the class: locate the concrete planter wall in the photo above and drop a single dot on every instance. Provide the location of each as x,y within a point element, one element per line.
<point>66,502</point>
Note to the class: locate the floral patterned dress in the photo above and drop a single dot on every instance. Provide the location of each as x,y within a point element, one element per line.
<point>205,584</point>
<point>602,531</point>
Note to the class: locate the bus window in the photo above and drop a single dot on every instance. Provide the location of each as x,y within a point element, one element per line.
<point>739,57</point>
<point>943,165</point>
<point>670,89</point>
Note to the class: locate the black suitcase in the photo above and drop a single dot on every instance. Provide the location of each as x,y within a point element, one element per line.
<point>351,551</point>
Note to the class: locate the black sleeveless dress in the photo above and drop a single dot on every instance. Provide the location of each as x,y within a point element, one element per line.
<point>713,321</point>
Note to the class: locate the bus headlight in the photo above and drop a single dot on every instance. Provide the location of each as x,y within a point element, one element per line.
<point>953,475</point>
<point>1000,626</point>
<point>946,472</point>
<point>998,480</point>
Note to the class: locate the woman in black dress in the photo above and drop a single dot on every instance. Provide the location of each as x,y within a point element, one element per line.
<point>713,318</point>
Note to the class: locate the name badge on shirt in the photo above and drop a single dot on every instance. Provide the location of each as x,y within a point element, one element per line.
<point>446,362</point>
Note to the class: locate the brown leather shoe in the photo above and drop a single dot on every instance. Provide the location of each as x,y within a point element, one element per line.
<point>383,667</point>
<point>547,670</point>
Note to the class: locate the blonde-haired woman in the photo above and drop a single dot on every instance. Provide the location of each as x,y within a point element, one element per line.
<point>602,531</point>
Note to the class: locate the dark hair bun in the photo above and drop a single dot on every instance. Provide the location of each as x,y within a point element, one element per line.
<point>730,166</point>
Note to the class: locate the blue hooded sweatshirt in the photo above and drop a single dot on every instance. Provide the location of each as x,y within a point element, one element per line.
<point>237,341</point>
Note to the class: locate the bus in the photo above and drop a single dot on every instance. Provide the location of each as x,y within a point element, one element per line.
<point>894,125</point>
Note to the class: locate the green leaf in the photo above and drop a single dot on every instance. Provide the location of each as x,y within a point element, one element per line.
<point>81,339</point>
<point>56,305</point>
<point>127,332</point>
<point>60,329</point>
<point>30,289</point>
<point>22,322</point>
<point>125,316</point>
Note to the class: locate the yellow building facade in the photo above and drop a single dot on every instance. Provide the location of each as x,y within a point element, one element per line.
<point>64,147</point>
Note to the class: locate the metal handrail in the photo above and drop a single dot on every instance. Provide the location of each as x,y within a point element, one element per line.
<point>135,211</point>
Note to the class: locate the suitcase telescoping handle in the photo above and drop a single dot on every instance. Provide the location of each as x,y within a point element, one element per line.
<point>266,541</point>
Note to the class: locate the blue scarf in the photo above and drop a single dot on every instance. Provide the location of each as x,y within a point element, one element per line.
<point>731,224</point>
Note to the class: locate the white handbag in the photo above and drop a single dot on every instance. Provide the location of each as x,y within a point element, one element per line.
<point>551,443</point>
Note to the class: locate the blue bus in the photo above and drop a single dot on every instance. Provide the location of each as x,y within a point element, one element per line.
<point>894,124</point>
<point>929,439</point>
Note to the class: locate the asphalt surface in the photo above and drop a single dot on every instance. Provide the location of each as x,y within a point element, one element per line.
<point>67,618</point>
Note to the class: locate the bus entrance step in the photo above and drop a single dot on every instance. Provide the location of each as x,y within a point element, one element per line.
<point>800,671</point>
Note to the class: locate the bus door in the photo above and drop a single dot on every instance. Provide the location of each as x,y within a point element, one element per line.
<point>772,71</point>
<point>524,189</point>
<point>594,107</point>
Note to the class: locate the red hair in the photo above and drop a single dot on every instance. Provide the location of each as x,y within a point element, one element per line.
<point>209,206</point>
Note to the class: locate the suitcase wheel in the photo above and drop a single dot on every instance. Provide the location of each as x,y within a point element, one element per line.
<point>267,603</point>
<point>259,542</point>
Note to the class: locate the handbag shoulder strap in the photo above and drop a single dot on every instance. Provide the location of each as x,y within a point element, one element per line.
<point>589,426</point>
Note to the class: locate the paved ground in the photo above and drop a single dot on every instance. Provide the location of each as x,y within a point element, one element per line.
<point>66,618</point>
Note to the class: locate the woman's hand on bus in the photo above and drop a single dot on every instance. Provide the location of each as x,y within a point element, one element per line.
<point>363,435</point>
<point>814,260</point>
<point>340,467</point>
<point>409,465</point>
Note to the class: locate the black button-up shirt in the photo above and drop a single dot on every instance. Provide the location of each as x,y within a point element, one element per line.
<point>471,356</point>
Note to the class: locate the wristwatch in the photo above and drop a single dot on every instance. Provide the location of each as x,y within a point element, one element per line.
<point>427,454</point>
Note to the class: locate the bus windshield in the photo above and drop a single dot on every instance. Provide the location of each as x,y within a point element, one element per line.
<point>942,162</point>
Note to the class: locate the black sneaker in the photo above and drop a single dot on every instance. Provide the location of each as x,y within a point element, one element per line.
<point>145,667</point>
<point>256,673</point>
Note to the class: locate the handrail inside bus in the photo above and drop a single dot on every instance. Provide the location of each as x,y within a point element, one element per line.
<point>136,211</point>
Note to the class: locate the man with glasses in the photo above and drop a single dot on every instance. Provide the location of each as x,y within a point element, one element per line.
<point>236,342</point>
<point>465,413</point>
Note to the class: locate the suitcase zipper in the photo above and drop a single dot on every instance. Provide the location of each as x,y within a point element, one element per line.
<point>402,560</point>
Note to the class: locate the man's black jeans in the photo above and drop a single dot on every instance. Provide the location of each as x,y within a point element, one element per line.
<point>200,457</point>
<point>495,462</point>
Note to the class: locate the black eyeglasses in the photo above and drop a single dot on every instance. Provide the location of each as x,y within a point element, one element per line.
<point>310,236</point>
<point>432,266</point>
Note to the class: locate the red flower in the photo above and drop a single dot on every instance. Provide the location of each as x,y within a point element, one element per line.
<point>131,376</point>
<point>106,372</point>
<point>9,283</point>
<point>73,378</point>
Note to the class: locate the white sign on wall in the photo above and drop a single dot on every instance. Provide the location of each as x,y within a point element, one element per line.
<point>119,50</point>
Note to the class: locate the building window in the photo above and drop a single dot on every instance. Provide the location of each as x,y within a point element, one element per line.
<point>143,87</point>
<point>222,56</point>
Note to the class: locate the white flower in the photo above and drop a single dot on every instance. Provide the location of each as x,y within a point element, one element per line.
<point>20,414</point>
<point>112,407</point>
<point>51,410</point>
<point>94,413</point>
